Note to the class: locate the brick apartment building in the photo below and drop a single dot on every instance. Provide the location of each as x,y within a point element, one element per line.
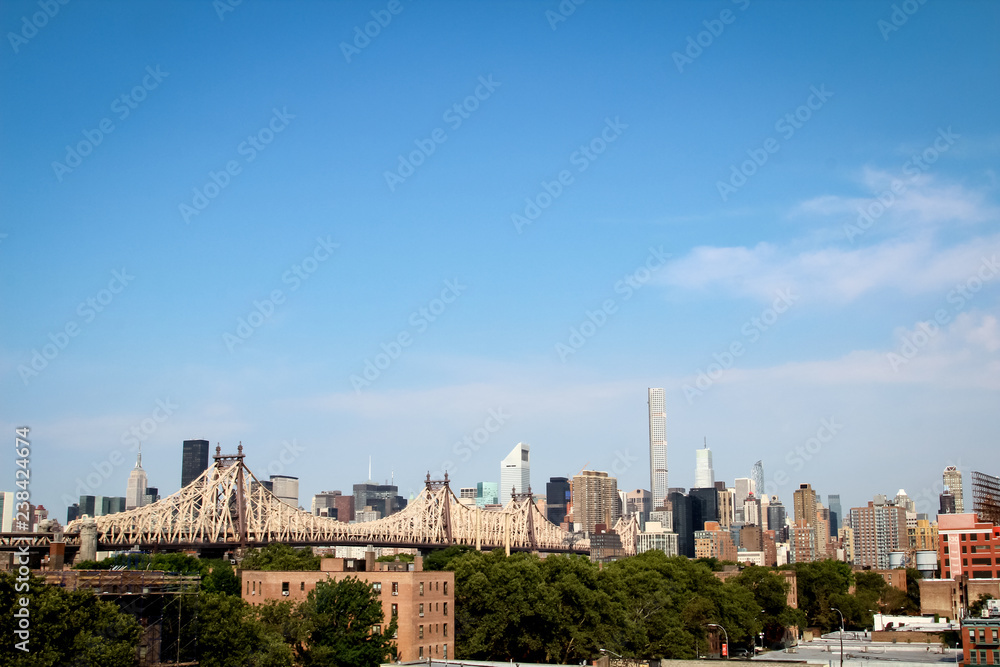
<point>981,641</point>
<point>422,602</point>
<point>968,546</point>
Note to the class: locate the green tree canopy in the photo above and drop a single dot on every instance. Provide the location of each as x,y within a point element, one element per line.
<point>279,556</point>
<point>342,616</point>
<point>67,627</point>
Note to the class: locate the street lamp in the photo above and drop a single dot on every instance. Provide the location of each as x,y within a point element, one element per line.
<point>604,650</point>
<point>726,634</point>
<point>841,634</point>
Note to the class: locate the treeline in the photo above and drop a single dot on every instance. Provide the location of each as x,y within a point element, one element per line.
<point>564,609</point>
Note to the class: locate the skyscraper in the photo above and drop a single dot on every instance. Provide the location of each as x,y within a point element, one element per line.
<point>804,504</point>
<point>879,529</point>
<point>704,476</point>
<point>194,460</point>
<point>286,489</point>
<point>136,488</point>
<point>658,447</point>
<point>757,475</point>
<point>515,472</point>
<point>836,514</point>
<point>952,479</point>
<point>776,518</point>
<point>557,498</point>
<point>595,500</point>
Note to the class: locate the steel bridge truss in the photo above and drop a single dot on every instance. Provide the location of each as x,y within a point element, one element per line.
<point>228,507</point>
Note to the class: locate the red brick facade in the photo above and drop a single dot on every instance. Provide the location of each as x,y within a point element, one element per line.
<point>423,602</point>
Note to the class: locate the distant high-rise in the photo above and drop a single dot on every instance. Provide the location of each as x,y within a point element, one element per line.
<point>658,485</point>
<point>487,493</point>
<point>804,504</point>
<point>557,498</point>
<point>683,523</point>
<point>947,502</point>
<point>515,472</point>
<point>136,488</point>
<point>757,475</point>
<point>382,498</point>
<point>743,488</point>
<point>704,475</point>
<point>879,529</point>
<point>704,504</point>
<point>952,479</point>
<point>595,500</point>
<point>286,489</point>
<point>836,514</point>
<point>194,460</point>
<point>776,518</point>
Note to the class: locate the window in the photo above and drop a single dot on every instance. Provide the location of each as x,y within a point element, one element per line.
<point>395,588</point>
<point>996,657</point>
<point>248,587</point>
<point>446,583</point>
<point>421,609</point>
<point>445,608</point>
<point>302,585</point>
<point>972,658</point>
<point>284,588</point>
<point>982,657</point>
<point>395,610</point>
<point>377,587</point>
<point>445,652</point>
<point>446,632</point>
<point>421,651</point>
<point>421,588</point>
<point>995,638</point>
<point>420,632</point>
<point>376,629</point>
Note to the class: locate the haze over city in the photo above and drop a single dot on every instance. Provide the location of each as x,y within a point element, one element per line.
<point>258,224</point>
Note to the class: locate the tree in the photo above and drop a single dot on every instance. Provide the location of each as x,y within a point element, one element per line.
<point>346,626</point>
<point>439,558</point>
<point>67,628</point>
<point>913,577</point>
<point>230,634</point>
<point>976,608</point>
<point>220,578</point>
<point>770,592</point>
<point>821,585</point>
<point>279,556</point>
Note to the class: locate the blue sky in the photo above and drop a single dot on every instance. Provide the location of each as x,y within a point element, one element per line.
<point>697,168</point>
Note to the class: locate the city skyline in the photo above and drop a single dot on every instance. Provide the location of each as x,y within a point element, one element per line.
<point>486,227</point>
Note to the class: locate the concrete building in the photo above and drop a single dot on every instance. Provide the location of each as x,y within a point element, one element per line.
<point>605,545</point>
<point>725,500</point>
<point>137,483</point>
<point>802,542</point>
<point>325,504</point>
<point>743,487</point>
<point>922,536</point>
<point>879,529</point>
<point>704,506</point>
<point>194,460</point>
<point>714,542</point>
<point>846,537</point>
<point>952,478</point>
<point>515,472</point>
<point>595,500</point>
<point>286,488</point>
<point>7,511</point>
<point>804,504</point>
<point>657,536</point>
<point>558,496</point>
<point>946,502</point>
<point>704,475</point>
<point>658,477</point>
<point>640,503</point>
<point>968,546</point>
<point>422,602</point>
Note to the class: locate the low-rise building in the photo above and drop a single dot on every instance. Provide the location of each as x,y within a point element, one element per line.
<point>981,640</point>
<point>422,602</point>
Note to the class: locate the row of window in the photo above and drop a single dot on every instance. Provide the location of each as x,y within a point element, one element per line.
<point>979,658</point>
<point>432,606</point>
<point>995,634</point>
<point>437,650</point>
<point>975,561</point>
<point>435,585</point>
<point>420,630</point>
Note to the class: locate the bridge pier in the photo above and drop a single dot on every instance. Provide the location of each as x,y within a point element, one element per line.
<point>88,540</point>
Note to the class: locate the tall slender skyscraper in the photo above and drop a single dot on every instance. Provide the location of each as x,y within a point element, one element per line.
<point>757,475</point>
<point>704,476</point>
<point>953,481</point>
<point>194,460</point>
<point>836,514</point>
<point>137,483</point>
<point>515,472</point>
<point>658,447</point>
